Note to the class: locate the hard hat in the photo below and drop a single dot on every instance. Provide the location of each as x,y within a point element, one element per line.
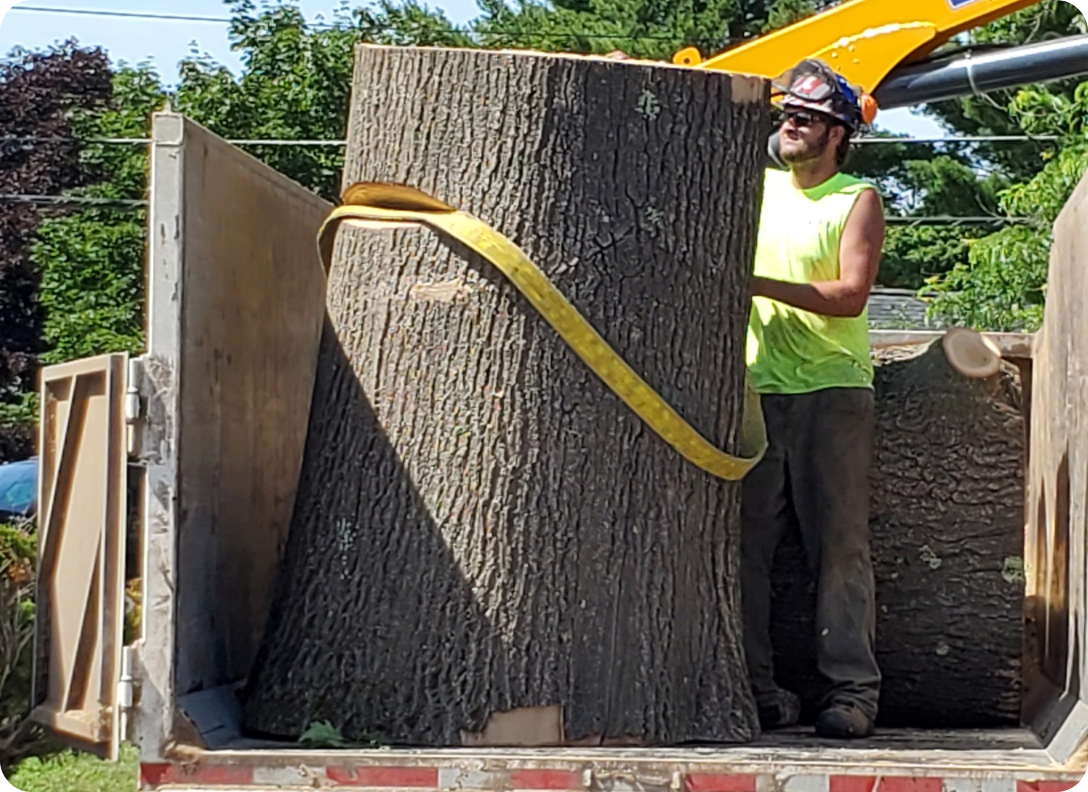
<point>814,85</point>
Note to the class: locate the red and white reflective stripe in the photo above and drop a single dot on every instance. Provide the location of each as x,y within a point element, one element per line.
<point>546,779</point>
<point>458,779</point>
<point>153,776</point>
<point>874,784</point>
<point>718,782</point>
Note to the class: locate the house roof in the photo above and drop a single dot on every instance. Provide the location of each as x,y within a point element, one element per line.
<point>897,309</point>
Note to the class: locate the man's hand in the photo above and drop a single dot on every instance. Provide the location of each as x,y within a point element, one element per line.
<point>859,257</point>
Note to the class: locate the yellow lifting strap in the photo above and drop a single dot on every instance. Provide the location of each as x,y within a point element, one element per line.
<point>375,205</point>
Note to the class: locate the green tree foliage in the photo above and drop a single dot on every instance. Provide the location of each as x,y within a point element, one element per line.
<point>1002,286</point>
<point>295,83</point>
<point>962,180</point>
<point>38,94</point>
<point>992,113</point>
<point>296,80</point>
<point>974,187</point>
<point>643,28</point>
<point>92,260</point>
<point>17,567</point>
<point>999,283</point>
<point>923,181</point>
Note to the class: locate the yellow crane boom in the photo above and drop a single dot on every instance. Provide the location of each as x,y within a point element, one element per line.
<point>862,40</point>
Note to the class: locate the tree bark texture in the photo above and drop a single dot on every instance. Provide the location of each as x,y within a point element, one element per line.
<point>481,526</point>
<point>947,520</point>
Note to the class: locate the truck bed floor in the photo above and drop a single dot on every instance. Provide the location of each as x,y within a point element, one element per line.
<point>963,750</point>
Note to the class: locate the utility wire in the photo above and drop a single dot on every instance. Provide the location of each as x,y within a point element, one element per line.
<point>75,200</point>
<point>107,141</point>
<point>955,220</point>
<point>129,14</point>
<point>69,200</point>
<point>962,139</point>
<point>967,139</point>
<point>562,35</point>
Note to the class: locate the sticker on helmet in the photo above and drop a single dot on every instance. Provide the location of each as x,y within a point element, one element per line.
<point>960,3</point>
<point>810,86</point>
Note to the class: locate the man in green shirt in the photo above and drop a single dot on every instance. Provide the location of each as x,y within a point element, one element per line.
<point>820,237</point>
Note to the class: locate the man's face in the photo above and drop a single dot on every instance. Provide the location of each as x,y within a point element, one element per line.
<point>804,135</point>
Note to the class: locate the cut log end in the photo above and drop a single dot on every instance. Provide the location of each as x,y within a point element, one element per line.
<point>947,545</point>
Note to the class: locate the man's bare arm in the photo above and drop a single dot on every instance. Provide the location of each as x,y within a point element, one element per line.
<point>859,257</point>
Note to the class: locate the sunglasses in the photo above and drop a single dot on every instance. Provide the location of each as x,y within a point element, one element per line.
<point>803,118</point>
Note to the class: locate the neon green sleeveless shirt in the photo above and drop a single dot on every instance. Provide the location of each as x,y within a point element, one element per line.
<point>790,350</point>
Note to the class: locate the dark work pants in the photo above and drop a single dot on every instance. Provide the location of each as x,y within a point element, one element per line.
<point>815,475</point>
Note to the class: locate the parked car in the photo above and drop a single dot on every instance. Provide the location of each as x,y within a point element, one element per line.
<point>18,489</point>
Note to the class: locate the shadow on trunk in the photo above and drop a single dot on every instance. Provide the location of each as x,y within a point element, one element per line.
<point>368,598</point>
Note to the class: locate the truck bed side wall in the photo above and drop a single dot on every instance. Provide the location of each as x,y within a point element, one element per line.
<point>236,303</point>
<point>1057,509</point>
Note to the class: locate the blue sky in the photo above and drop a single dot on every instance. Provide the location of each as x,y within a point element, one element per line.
<point>165,43</point>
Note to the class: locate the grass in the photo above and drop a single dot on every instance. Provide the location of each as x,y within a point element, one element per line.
<point>49,767</point>
<point>68,771</point>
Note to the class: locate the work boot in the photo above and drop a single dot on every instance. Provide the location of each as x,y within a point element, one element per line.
<point>779,710</point>
<point>843,721</point>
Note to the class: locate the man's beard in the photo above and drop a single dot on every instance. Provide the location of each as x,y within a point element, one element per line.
<point>809,150</point>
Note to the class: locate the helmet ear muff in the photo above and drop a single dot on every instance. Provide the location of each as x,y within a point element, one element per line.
<point>869,109</point>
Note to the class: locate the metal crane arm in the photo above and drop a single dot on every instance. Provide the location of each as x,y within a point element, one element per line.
<point>863,40</point>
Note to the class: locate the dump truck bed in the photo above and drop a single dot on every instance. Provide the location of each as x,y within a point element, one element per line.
<point>218,416</point>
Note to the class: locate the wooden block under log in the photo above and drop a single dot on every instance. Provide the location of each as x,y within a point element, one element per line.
<point>481,526</point>
<point>947,524</point>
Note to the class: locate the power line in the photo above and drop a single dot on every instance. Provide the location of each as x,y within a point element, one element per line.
<point>121,141</point>
<point>75,200</point>
<point>561,35</point>
<point>70,200</point>
<point>565,35</point>
<point>962,139</point>
<point>955,220</point>
<point>127,14</point>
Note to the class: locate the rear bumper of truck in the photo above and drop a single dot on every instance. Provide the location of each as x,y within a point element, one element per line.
<point>999,761</point>
<point>464,776</point>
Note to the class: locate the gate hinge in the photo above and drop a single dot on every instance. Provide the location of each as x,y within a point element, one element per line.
<point>134,403</point>
<point>126,689</point>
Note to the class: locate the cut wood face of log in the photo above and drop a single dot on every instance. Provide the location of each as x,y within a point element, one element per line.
<point>946,516</point>
<point>482,527</point>
<point>971,353</point>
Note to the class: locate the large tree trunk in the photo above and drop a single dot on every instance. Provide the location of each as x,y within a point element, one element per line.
<point>481,525</point>
<point>947,524</point>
